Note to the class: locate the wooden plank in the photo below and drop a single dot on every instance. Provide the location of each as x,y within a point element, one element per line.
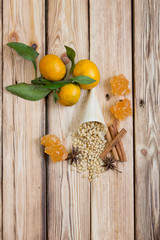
<point>147,118</point>
<point>112,211</point>
<point>1,165</point>
<point>23,125</point>
<point>68,194</point>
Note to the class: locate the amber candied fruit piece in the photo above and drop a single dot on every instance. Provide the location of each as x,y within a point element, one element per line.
<point>119,85</point>
<point>49,140</point>
<point>122,109</point>
<point>54,148</point>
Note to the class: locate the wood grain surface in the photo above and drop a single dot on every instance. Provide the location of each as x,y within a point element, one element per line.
<point>23,125</point>
<point>68,194</point>
<point>112,213</point>
<point>1,140</point>
<point>147,118</point>
<point>43,200</point>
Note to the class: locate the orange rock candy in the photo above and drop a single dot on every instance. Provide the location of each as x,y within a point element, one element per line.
<point>54,148</point>
<point>119,85</point>
<point>122,109</point>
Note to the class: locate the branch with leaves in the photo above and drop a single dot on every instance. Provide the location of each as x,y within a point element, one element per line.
<point>41,87</point>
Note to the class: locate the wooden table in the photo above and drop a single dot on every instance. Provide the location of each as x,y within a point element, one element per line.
<point>42,200</point>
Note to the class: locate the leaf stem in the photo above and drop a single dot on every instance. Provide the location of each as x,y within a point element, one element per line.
<point>35,67</point>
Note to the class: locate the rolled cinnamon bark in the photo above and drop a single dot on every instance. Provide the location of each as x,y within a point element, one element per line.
<point>119,146</point>
<point>114,151</point>
<point>113,143</point>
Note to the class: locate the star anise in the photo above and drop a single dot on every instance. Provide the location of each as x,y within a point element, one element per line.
<point>109,163</point>
<point>73,156</point>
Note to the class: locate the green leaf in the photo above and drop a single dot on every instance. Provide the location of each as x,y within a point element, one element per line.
<point>55,96</point>
<point>24,51</point>
<point>71,55</point>
<point>41,81</point>
<point>83,79</point>
<point>57,85</point>
<point>29,91</point>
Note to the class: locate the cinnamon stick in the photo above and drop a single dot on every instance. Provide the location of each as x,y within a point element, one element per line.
<point>124,158</point>
<point>113,143</point>
<point>113,133</point>
<point>114,151</point>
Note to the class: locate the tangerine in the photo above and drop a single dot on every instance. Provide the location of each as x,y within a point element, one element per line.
<point>69,94</point>
<point>52,67</point>
<point>119,85</point>
<point>122,109</point>
<point>54,148</point>
<point>87,68</point>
